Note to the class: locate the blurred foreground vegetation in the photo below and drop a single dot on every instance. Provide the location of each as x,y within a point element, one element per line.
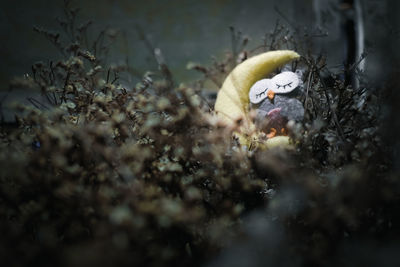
<point>106,174</point>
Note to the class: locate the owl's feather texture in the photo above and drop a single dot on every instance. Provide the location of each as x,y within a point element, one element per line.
<point>291,108</point>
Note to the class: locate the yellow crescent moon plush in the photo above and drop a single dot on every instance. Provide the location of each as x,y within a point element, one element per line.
<point>232,102</point>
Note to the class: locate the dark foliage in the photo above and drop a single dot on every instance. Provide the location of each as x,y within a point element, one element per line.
<point>106,175</point>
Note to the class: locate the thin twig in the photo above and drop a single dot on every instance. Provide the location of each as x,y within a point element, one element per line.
<point>335,119</point>
<point>309,81</point>
<point>115,77</point>
<point>36,103</point>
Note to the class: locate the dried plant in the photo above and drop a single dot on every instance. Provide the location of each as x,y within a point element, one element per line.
<point>107,175</point>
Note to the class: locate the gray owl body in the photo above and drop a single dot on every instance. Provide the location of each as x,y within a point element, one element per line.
<point>277,102</point>
<point>290,108</point>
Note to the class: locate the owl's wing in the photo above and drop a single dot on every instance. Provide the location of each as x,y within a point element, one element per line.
<point>292,108</point>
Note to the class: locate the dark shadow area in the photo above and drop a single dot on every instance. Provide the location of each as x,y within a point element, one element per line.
<point>111,152</point>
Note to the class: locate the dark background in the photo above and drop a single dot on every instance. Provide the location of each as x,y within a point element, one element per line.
<point>197,30</point>
<point>192,31</point>
<point>185,30</point>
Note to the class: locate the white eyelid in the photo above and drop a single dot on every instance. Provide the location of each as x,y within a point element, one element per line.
<point>258,92</point>
<point>285,82</point>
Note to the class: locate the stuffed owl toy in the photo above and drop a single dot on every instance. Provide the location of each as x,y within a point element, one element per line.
<point>277,103</point>
<point>274,99</point>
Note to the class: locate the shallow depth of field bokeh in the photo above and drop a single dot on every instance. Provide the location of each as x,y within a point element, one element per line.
<point>115,164</point>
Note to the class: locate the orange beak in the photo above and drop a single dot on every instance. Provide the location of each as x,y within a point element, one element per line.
<point>270,94</point>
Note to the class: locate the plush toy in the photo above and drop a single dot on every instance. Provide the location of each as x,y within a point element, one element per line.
<point>278,103</point>
<point>232,104</point>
